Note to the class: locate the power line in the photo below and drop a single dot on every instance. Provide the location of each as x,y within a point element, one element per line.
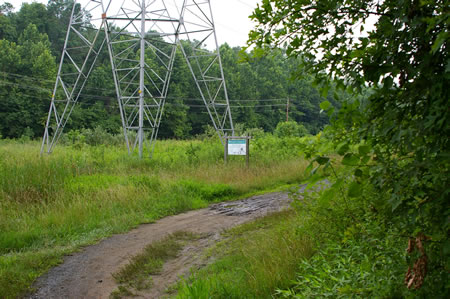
<point>30,87</point>
<point>111,97</point>
<point>246,4</point>
<point>27,77</point>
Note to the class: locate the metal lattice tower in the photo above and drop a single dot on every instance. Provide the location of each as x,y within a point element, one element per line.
<point>142,37</point>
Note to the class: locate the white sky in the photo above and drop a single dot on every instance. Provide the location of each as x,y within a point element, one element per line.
<point>230,17</point>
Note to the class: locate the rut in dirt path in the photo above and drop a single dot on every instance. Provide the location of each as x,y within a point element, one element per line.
<point>88,274</point>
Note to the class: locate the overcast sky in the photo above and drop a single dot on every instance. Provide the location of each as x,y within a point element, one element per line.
<point>230,17</point>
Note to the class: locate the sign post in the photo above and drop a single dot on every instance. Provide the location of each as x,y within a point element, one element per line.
<point>237,146</point>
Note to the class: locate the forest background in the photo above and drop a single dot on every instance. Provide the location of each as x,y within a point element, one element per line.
<point>31,41</point>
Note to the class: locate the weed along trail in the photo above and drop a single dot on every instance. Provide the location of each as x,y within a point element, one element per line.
<point>95,271</point>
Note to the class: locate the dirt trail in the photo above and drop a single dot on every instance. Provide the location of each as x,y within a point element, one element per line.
<point>87,274</point>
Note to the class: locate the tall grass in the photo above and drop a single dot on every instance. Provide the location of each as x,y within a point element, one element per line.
<point>52,205</point>
<point>253,261</point>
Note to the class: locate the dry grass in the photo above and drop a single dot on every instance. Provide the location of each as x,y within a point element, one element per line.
<point>256,177</point>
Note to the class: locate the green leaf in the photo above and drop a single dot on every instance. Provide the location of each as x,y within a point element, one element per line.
<point>322,160</point>
<point>325,105</point>
<point>330,111</point>
<point>350,159</point>
<point>336,96</point>
<point>365,159</point>
<point>358,172</point>
<point>324,91</point>
<point>364,150</point>
<point>447,247</point>
<point>441,38</point>
<point>354,190</point>
<point>310,167</point>
<point>338,184</point>
<point>314,170</point>
<point>343,148</point>
<point>395,202</point>
<point>327,195</point>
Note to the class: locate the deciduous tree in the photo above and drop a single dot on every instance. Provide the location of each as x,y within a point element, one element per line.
<point>403,57</point>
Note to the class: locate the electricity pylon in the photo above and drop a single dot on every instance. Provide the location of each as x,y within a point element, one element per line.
<point>142,37</point>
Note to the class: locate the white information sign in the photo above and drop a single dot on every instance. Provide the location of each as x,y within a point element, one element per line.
<point>237,147</point>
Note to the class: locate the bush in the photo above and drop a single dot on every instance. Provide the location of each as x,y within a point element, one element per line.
<point>366,267</point>
<point>97,136</point>
<point>255,132</point>
<point>27,135</point>
<point>361,252</point>
<point>290,129</point>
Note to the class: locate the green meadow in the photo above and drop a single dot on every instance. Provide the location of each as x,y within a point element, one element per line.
<point>52,205</point>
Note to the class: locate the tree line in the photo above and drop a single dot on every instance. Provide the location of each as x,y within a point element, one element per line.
<point>261,91</point>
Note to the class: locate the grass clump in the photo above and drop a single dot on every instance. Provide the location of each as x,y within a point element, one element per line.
<point>136,274</point>
<point>252,261</point>
<point>121,292</point>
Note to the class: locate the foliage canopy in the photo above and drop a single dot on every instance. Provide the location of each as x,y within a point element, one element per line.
<point>394,56</point>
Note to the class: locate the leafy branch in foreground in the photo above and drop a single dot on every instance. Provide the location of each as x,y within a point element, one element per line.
<point>399,71</point>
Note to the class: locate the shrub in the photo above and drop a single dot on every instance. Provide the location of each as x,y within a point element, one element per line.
<point>290,129</point>
<point>255,132</point>
<point>97,136</point>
